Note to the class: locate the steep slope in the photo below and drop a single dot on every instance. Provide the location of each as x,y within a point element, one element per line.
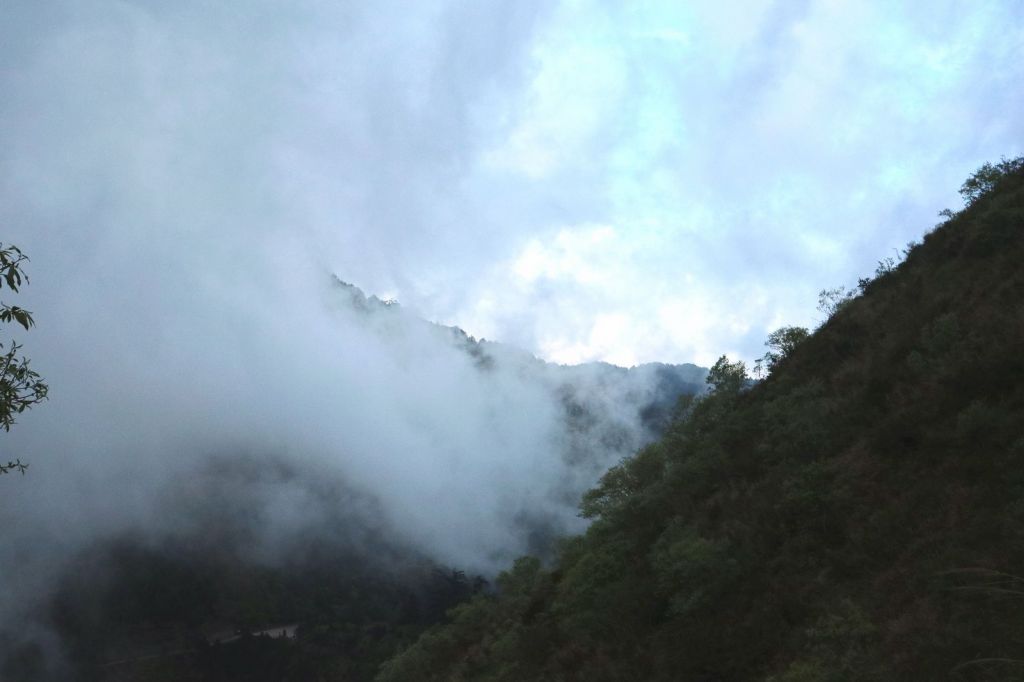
<point>858,515</point>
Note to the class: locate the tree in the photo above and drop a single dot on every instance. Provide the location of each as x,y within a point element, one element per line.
<point>831,301</point>
<point>781,343</point>
<point>727,377</point>
<point>20,386</point>
<point>987,177</point>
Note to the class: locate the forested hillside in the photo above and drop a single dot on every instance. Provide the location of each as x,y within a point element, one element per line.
<point>857,515</point>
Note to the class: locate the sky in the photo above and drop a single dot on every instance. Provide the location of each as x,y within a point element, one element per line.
<point>733,159</point>
<point>627,182</point>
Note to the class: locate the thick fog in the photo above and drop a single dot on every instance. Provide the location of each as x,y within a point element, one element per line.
<point>162,166</point>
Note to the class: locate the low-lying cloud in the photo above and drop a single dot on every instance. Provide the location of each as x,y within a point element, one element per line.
<point>188,176</point>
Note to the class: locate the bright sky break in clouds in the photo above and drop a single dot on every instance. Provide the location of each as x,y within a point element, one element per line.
<point>739,158</point>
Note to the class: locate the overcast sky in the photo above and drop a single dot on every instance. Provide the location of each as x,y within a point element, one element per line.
<point>628,181</point>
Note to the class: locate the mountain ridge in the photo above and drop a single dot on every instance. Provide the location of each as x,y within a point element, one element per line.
<point>648,392</point>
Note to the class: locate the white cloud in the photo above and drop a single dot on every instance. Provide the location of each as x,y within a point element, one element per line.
<point>782,148</point>
<point>574,95</point>
<point>577,255</point>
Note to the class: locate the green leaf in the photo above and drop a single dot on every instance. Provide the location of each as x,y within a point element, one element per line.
<point>23,317</point>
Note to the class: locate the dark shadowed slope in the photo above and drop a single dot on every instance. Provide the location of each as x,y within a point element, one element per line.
<point>858,515</point>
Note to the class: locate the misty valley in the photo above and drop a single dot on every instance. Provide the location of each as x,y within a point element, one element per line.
<point>511,341</point>
<point>850,511</point>
<point>254,543</point>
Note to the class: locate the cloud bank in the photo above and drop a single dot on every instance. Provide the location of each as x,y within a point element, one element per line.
<point>164,167</point>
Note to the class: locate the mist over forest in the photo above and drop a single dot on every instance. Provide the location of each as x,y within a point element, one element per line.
<point>412,443</point>
<point>513,340</point>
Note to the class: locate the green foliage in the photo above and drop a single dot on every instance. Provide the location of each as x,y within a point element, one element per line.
<point>477,631</point>
<point>781,343</point>
<point>11,259</point>
<point>727,377</point>
<point>840,646</point>
<point>622,482</point>
<point>987,178</point>
<point>352,616</point>
<point>886,266</point>
<point>20,386</point>
<point>831,301</point>
<point>691,571</point>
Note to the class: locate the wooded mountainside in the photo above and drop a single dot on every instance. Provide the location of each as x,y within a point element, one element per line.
<point>857,515</point>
